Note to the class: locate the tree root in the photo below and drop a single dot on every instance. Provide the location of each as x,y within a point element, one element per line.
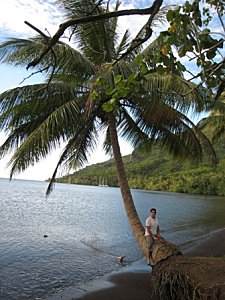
<point>189,278</point>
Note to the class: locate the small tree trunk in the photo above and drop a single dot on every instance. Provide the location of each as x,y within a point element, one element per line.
<point>130,209</point>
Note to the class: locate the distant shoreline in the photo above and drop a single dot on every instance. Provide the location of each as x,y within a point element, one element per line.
<point>83,184</point>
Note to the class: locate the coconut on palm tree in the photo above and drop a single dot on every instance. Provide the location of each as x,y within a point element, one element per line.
<point>91,88</point>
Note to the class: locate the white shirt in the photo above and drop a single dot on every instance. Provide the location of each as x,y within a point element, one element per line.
<point>153,224</point>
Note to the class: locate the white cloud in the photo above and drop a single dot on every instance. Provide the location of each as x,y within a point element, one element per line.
<point>133,23</point>
<point>42,14</point>
<point>47,15</point>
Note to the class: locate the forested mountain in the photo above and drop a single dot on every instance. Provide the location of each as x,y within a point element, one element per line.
<point>158,171</point>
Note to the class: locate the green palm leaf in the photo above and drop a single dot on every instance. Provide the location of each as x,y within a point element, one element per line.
<point>215,122</point>
<point>67,61</point>
<point>97,39</point>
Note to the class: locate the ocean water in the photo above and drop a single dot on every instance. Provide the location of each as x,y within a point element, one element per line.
<point>50,244</point>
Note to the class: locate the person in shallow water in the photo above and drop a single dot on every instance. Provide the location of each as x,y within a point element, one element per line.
<point>152,233</point>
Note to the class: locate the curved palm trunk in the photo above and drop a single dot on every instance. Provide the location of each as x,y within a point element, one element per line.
<point>130,209</point>
<point>162,249</point>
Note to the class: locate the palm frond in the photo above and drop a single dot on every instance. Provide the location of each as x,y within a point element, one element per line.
<point>67,61</point>
<point>107,146</point>
<point>32,102</point>
<point>172,134</point>
<point>42,139</point>
<point>160,18</point>
<point>75,153</point>
<point>130,130</point>
<point>216,125</point>
<point>124,43</point>
<point>176,92</point>
<point>97,39</point>
<point>33,121</point>
<point>114,23</point>
<point>158,115</point>
<point>20,52</point>
<point>37,146</point>
<point>137,44</point>
<point>215,122</point>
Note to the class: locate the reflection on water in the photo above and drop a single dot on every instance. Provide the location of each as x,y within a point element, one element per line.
<point>74,235</point>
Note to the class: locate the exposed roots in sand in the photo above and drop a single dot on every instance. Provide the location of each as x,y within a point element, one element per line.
<point>190,278</point>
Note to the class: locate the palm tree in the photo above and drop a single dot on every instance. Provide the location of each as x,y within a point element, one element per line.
<point>94,88</point>
<point>215,122</point>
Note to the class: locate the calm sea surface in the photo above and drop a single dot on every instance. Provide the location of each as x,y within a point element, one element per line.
<point>74,235</point>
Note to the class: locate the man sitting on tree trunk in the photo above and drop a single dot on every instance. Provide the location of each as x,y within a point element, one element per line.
<point>152,233</point>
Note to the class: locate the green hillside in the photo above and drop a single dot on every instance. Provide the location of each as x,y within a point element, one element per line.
<point>158,171</point>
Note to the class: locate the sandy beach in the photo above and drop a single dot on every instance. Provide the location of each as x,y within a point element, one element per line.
<point>135,282</point>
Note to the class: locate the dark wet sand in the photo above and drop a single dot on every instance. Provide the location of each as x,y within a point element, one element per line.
<point>136,284</point>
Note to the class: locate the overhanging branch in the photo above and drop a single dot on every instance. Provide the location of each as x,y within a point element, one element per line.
<point>91,18</point>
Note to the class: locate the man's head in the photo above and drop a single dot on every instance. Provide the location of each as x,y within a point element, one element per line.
<point>153,212</point>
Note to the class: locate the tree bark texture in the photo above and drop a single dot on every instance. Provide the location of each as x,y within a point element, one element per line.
<point>189,278</point>
<point>135,223</point>
<point>162,249</point>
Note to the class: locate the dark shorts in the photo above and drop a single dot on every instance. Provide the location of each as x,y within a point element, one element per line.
<point>150,242</point>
